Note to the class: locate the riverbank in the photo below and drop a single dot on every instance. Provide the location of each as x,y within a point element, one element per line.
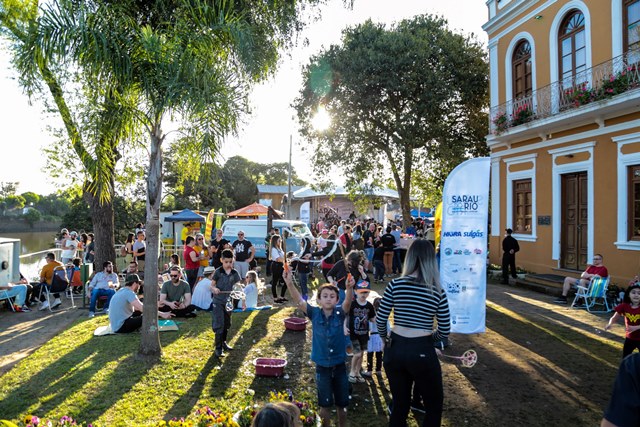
<point>20,225</point>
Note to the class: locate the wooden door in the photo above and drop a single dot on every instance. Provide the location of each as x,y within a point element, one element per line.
<point>574,231</point>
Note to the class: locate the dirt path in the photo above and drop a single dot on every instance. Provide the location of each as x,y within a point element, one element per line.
<point>22,333</point>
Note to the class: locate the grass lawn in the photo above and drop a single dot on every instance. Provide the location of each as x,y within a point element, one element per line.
<point>98,380</point>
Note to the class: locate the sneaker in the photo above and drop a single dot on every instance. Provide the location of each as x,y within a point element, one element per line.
<point>560,300</point>
<point>365,373</point>
<point>56,303</point>
<point>418,407</point>
<point>44,306</point>
<point>219,352</point>
<point>353,379</point>
<point>25,308</point>
<point>226,347</point>
<point>91,314</point>
<point>17,308</point>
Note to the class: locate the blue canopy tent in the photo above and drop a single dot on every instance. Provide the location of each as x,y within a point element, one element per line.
<point>422,214</point>
<point>185,216</point>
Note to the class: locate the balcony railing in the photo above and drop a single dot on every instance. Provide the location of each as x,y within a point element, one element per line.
<point>602,81</point>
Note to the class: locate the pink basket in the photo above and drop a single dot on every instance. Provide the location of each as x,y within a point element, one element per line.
<point>267,367</point>
<point>295,323</point>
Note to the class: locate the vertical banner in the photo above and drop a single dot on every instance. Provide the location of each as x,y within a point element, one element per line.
<point>209,225</point>
<point>219,219</point>
<point>437,223</point>
<point>305,213</point>
<point>463,248</point>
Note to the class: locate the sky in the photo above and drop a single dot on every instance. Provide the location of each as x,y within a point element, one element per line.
<point>265,134</point>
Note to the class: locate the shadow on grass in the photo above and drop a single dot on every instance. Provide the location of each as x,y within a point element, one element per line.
<point>74,372</point>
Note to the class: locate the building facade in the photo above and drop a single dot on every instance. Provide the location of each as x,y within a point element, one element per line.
<point>565,133</point>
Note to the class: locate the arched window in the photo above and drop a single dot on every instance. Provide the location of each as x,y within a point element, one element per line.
<point>572,49</point>
<point>521,70</point>
<point>631,29</point>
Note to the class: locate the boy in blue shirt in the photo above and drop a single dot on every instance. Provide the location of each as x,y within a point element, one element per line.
<point>328,345</point>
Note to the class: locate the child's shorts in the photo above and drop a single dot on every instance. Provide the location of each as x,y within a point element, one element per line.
<point>359,343</point>
<point>333,386</point>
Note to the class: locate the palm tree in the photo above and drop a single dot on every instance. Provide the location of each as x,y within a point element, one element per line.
<point>192,61</point>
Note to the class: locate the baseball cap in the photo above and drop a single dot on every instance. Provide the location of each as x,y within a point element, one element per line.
<point>362,286</point>
<point>208,270</point>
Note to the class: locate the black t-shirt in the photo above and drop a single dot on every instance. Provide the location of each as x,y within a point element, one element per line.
<point>242,250</point>
<point>218,246</point>
<point>378,253</point>
<point>388,241</point>
<point>368,235</point>
<point>359,317</point>
<point>339,274</point>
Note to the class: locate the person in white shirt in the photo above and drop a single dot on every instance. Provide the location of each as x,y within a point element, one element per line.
<point>250,291</point>
<point>102,284</point>
<point>201,297</point>
<point>69,248</point>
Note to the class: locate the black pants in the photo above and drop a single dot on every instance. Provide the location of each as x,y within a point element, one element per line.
<point>192,276</point>
<point>277,268</point>
<point>629,346</point>
<point>508,263</point>
<point>220,323</point>
<point>133,323</point>
<point>179,312</point>
<point>409,360</point>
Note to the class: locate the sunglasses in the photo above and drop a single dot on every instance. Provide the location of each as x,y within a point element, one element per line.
<point>175,276</point>
<point>200,238</point>
<point>240,234</point>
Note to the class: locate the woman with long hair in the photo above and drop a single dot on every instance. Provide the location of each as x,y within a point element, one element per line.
<point>415,298</point>
<point>276,255</point>
<point>304,268</point>
<point>128,247</point>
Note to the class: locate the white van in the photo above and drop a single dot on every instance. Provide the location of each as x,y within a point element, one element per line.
<point>255,230</point>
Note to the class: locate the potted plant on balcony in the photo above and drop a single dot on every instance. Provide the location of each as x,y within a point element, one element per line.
<point>619,82</point>
<point>578,95</point>
<point>523,114</point>
<point>500,123</point>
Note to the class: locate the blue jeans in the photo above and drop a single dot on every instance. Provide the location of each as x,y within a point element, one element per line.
<point>333,386</point>
<point>369,252</point>
<point>19,292</point>
<point>97,293</point>
<point>303,278</point>
<point>397,261</point>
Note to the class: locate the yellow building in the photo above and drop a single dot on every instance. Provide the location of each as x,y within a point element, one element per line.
<point>565,133</point>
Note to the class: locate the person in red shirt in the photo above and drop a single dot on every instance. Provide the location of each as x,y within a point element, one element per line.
<point>597,269</point>
<point>630,311</point>
<point>191,261</point>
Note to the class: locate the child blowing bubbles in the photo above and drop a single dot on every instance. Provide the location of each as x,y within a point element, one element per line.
<point>630,309</point>
<point>327,346</point>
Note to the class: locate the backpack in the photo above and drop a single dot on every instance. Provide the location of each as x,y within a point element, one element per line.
<point>123,250</point>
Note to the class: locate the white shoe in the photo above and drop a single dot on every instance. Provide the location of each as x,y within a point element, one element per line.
<point>56,303</point>
<point>44,305</point>
<point>91,314</point>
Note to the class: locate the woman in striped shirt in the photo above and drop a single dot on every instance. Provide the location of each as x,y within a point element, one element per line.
<point>415,298</point>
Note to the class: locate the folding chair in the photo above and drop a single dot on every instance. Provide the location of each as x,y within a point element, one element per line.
<point>595,294</point>
<point>59,284</point>
<point>4,295</point>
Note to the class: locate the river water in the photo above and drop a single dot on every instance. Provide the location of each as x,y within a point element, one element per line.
<point>30,243</point>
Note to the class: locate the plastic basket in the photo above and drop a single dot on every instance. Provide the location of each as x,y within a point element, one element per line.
<point>295,323</point>
<point>267,367</point>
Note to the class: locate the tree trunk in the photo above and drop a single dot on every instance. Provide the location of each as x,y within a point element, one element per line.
<point>103,230</point>
<point>150,340</point>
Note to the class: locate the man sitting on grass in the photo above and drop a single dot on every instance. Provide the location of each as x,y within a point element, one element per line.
<point>102,285</point>
<point>328,345</point>
<point>125,314</point>
<point>175,295</point>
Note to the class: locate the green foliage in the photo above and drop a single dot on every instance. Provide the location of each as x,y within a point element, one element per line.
<point>14,202</point>
<point>400,100</point>
<point>53,205</point>
<point>32,216</point>
<point>30,198</point>
<point>8,189</point>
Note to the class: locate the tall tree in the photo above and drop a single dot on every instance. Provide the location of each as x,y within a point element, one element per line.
<point>192,60</point>
<point>105,122</point>
<point>399,100</point>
